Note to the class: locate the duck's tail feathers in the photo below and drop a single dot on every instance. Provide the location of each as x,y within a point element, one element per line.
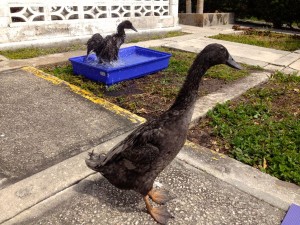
<point>95,42</point>
<point>95,161</point>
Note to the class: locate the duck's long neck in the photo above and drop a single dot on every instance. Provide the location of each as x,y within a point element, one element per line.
<point>121,30</point>
<point>187,95</point>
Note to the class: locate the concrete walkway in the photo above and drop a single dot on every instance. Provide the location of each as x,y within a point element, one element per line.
<point>44,177</point>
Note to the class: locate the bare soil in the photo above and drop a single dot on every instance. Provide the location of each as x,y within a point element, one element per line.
<point>133,95</point>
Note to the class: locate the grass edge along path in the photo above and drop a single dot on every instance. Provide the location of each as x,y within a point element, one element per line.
<point>267,39</point>
<point>32,52</point>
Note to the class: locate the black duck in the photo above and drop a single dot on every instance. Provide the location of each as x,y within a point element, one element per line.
<point>107,48</point>
<point>135,162</point>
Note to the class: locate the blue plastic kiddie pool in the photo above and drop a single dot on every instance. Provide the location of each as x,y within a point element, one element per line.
<point>133,62</point>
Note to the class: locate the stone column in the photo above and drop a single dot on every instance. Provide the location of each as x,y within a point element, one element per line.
<point>200,6</point>
<point>188,6</point>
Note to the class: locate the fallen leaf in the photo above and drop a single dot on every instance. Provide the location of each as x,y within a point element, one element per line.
<point>265,163</point>
<point>214,142</point>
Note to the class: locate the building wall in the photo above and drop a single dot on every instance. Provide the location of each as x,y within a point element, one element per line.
<point>31,20</point>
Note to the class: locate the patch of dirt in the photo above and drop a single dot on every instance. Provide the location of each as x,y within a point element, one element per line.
<point>202,134</point>
<point>135,96</point>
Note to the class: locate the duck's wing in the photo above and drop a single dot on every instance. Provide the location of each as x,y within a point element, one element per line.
<point>138,150</point>
<point>95,42</point>
<point>109,51</point>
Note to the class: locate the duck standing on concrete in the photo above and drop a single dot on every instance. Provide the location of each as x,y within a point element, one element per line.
<point>107,49</point>
<point>135,162</point>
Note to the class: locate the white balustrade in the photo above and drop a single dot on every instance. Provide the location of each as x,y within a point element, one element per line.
<point>37,20</point>
<point>41,11</point>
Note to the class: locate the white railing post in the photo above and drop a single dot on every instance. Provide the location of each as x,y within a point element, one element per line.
<point>174,10</point>
<point>4,13</point>
<point>80,10</point>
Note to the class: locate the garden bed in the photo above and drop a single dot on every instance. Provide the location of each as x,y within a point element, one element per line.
<point>261,128</point>
<point>151,95</point>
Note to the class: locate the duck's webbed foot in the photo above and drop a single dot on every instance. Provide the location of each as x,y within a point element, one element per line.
<point>159,214</point>
<point>159,196</point>
<point>94,161</point>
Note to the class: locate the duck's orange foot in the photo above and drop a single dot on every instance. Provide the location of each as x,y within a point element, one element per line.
<point>159,196</point>
<point>159,214</point>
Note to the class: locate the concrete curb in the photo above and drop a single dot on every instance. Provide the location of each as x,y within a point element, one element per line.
<point>246,178</point>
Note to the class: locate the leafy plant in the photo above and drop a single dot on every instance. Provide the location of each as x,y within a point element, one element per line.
<point>262,128</point>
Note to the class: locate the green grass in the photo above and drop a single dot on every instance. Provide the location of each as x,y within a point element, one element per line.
<point>263,127</point>
<point>264,39</point>
<point>65,72</point>
<point>26,53</point>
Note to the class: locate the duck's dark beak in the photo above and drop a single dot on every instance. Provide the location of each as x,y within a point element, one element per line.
<point>230,62</point>
<point>134,29</point>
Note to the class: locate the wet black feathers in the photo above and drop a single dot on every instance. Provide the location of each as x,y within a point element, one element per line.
<point>135,162</point>
<point>95,43</point>
<point>107,49</point>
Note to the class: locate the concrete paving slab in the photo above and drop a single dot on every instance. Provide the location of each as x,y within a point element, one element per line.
<point>235,49</point>
<point>250,61</point>
<point>274,67</point>
<point>288,70</point>
<point>296,65</point>
<point>43,123</point>
<point>199,199</point>
<point>287,59</point>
